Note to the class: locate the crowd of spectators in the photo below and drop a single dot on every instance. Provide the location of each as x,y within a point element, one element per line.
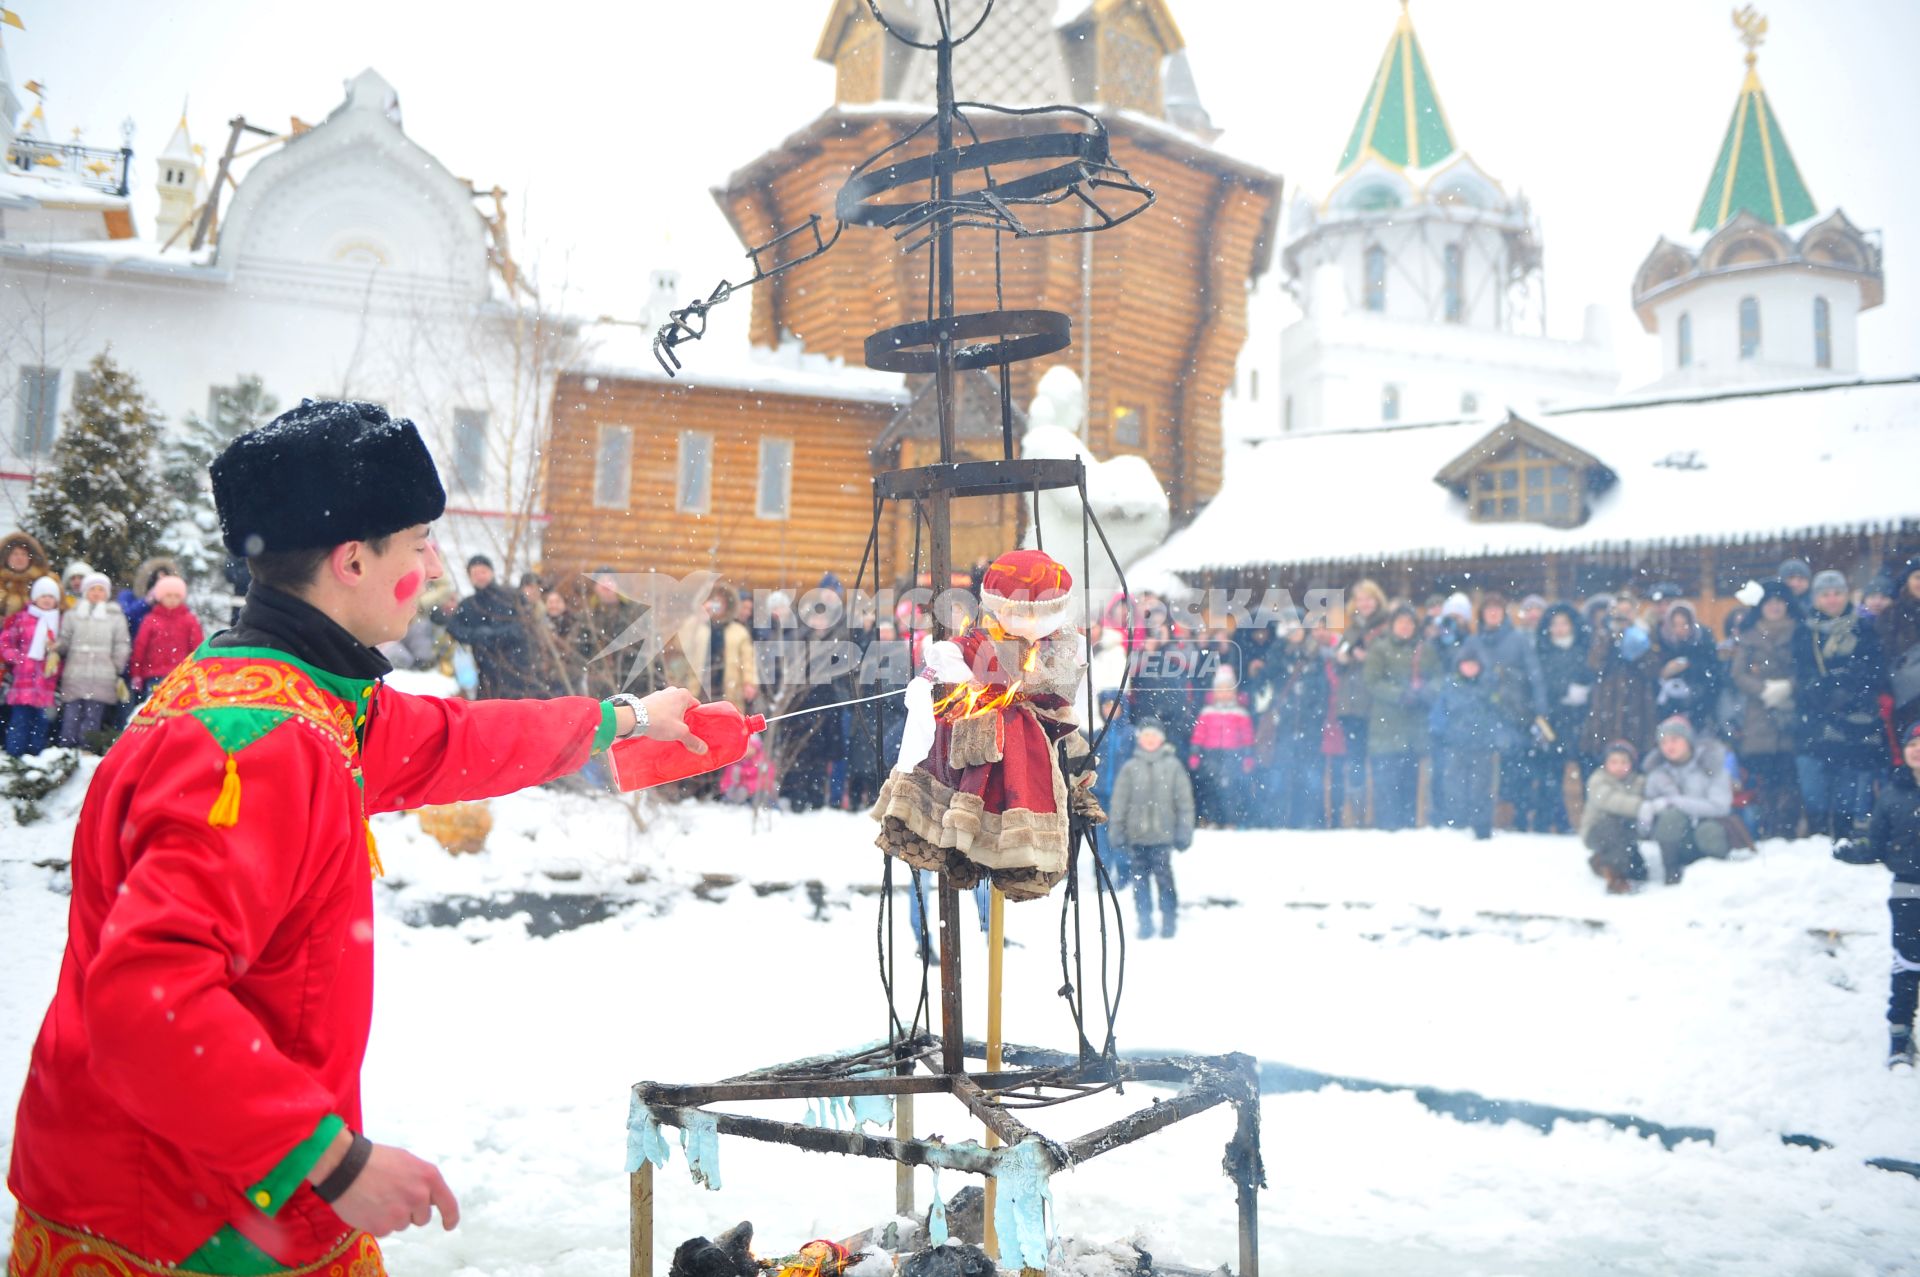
<point>78,653</point>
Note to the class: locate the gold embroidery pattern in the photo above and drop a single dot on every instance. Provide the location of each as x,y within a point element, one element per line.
<point>45,1249</point>
<point>214,683</point>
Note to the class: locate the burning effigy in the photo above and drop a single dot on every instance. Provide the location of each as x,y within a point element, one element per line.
<point>982,787</point>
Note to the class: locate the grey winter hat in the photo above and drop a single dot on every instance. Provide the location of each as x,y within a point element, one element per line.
<point>1829,579</point>
<point>1150,724</point>
<point>1677,726</point>
<point>1794,567</point>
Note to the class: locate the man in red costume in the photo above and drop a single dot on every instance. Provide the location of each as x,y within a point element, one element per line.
<point>193,1103</point>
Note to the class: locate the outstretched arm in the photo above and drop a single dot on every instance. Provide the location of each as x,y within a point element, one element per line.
<point>425,750</point>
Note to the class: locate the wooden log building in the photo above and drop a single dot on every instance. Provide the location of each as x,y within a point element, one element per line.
<point>1701,489</point>
<point>1158,307</point>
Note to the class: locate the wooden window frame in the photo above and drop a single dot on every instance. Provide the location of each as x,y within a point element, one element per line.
<point>1135,421</point>
<point>1521,486</point>
<point>38,419</point>
<point>680,502</point>
<point>760,510</point>
<point>603,498</point>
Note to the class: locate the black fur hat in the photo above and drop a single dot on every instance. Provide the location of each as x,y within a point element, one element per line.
<point>324,473</point>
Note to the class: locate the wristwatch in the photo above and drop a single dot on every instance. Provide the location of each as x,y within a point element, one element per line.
<point>639,709</point>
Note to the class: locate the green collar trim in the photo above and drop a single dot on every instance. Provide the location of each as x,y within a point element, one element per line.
<point>235,727</point>
<point>354,690</point>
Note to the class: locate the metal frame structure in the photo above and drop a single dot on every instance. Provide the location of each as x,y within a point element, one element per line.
<point>1073,169</point>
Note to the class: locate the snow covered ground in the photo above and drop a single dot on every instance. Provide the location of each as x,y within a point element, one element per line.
<point>1749,1000</point>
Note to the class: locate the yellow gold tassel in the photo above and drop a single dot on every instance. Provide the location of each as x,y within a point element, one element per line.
<point>373,852</point>
<point>226,808</point>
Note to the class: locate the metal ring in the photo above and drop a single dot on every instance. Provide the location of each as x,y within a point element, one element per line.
<point>1079,147</point>
<point>1022,334</point>
<point>873,6</point>
<point>1018,475</point>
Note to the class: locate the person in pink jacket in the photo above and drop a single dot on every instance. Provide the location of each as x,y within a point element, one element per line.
<point>168,635</point>
<point>28,639</point>
<point>1221,753</point>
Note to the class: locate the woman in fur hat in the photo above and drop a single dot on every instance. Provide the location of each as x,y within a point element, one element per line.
<point>22,562</point>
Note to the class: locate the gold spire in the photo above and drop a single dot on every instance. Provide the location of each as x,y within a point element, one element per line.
<point>1752,25</point>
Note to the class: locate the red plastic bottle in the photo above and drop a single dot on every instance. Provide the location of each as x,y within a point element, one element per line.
<point>644,763</point>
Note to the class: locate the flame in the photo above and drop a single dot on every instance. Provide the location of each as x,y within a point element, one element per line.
<point>973,700</point>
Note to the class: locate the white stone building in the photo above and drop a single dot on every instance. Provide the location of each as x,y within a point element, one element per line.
<point>1418,277</point>
<point>1766,287</point>
<point>348,263</point>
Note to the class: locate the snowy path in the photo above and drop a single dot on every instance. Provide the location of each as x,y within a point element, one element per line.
<point>1418,958</point>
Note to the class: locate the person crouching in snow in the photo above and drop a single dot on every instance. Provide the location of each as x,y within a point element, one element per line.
<point>1151,818</point>
<point>1610,822</point>
<point>26,643</point>
<point>93,649</point>
<point>1221,754</point>
<point>1893,840</point>
<point>1689,796</point>
<point>193,1101</point>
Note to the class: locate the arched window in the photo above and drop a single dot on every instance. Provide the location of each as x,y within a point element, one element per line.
<point>1749,328</point>
<point>1685,338</point>
<point>1455,303</point>
<point>1822,333</point>
<point>1376,278</point>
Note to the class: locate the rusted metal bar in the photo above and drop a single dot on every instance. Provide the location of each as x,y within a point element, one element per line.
<point>1243,1163</point>
<point>968,1158</point>
<point>1008,1128</point>
<point>810,1088</point>
<point>1139,1125</point>
<point>881,1055</point>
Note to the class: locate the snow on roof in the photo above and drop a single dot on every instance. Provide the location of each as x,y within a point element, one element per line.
<point>142,255</point>
<point>626,350</point>
<point>17,188</point>
<point>1696,467</point>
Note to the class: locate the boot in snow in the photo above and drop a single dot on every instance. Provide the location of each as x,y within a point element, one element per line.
<point>1900,1053</point>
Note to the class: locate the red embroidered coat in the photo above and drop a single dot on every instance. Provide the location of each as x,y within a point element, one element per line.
<point>206,1034</point>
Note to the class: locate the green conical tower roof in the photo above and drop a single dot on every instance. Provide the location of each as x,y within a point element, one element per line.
<point>1400,122</point>
<point>1755,172</point>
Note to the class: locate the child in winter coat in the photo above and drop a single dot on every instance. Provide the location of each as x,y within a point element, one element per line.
<point>1222,752</point>
<point>1116,747</point>
<point>1610,822</point>
<point>1689,796</point>
<point>167,636</point>
<point>1469,724</point>
<point>1893,840</point>
<point>749,777</point>
<point>26,642</point>
<point>93,649</point>
<point>1151,818</point>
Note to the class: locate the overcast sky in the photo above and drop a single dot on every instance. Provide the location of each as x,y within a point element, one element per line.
<point>611,122</point>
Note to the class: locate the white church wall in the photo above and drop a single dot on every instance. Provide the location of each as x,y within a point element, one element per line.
<point>350,264</point>
<point>1786,299</point>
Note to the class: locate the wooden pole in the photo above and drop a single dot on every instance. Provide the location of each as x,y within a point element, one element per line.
<point>996,962</point>
<point>640,1207</point>
<point>903,1173</point>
